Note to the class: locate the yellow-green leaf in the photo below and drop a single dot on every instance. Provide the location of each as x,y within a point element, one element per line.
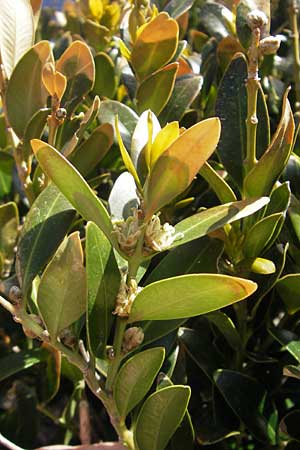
<point>188,296</point>
<point>125,156</point>
<point>72,185</point>
<point>163,140</point>
<point>62,289</point>
<point>155,45</point>
<point>155,91</point>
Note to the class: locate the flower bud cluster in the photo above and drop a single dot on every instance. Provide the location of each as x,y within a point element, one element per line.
<point>126,297</point>
<point>133,337</point>
<point>159,237</point>
<point>128,232</point>
<point>256,21</point>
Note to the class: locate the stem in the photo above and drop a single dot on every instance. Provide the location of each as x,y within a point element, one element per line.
<point>117,346</point>
<point>252,86</point>
<point>293,12</point>
<point>7,305</point>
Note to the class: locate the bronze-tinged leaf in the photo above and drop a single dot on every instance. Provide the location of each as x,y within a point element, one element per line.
<point>77,64</point>
<point>54,82</point>
<point>175,169</point>
<point>155,45</point>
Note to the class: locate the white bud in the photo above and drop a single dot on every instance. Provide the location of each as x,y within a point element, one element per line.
<point>256,19</point>
<point>269,45</point>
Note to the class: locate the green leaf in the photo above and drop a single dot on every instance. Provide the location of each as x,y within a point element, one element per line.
<point>77,64</point>
<point>50,215</point>
<point>16,32</point>
<point>261,179</point>
<point>199,256</point>
<point>185,91</point>
<point>155,91</point>
<point>175,169</point>
<point>127,118</point>
<point>226,326</point>
<point>188,295</point>
<point>103,282</point>
<point>15,362</point>
<point>288,287</point>
<point>155,45</point>
<point>135,378</point>
<point>156,329</point>
<point>51,383</point>
<point>216,19</point>
<point>155,425</point>
<point>175,8</point>
<point>279,199</point>
<point>260,235</point>
<point>210,220</point>
<point>22,103</point>
<point>105,77</point>
<point>9,223</point>
<point>223,191</point>
<point>231,107</point>
<point>247,398</point>
<point>72,185</point>
<point>34,129</point>
<point>62,289</point>
<point>6,167</point>
<point>76,127</point>
<point>88,155</point>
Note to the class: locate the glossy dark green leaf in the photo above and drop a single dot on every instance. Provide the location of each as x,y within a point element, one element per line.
<point>88,155</point>
<point>22,103</point>
<point>185,91</point>
<point>196,344</point>
<point>216,20</point>
<point>246,397</point>
<point>279,199</point>
<point>155,91</point>
<point>294,214</point>
<point>226,326</point>
<point>72,185</point>
<point>62,289</point>
<point>156,329</point>
<point>288,288</point>
<point>155,425</point>
<point>103,282</point>
<point>215,420</point>
<point>51,214</point>
<point>127,118</point>
<point>34,129</point>
<point>262,177</point>
<point>15,362</point>
<point>222,189</point>
<point>290,425</point>
<point>231,107</point>
<point>105,76</point>
<point>211,219</point>
<point>135,378</point>
<point>188,295</point>
<point>260,235</point>
<point>6,168</point>
<point>198,256</point>
<point>175,8</point>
